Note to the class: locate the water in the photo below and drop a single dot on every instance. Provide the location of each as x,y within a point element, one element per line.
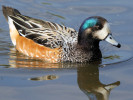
<point>111,79</point>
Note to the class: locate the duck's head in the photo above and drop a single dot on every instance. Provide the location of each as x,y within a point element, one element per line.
<point>96,28</point>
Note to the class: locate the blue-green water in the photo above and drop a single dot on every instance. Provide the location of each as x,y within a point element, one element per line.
<point>112,79</point>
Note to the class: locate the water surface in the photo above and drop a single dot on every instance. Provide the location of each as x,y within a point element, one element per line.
<point>23,78</point>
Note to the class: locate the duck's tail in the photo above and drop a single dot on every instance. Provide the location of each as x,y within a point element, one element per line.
<point>14,17</point>
<point>8,11</point>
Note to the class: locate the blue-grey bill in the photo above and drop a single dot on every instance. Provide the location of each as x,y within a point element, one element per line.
<point>112,41</point>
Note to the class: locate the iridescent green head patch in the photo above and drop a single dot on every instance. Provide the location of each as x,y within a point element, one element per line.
<point>89,23</point>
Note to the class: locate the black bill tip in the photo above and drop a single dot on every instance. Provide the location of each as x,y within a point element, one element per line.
<point>119,45</point>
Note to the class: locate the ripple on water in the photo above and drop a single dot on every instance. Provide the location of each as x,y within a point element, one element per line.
<point>93,10</point>
<point>116,57</point>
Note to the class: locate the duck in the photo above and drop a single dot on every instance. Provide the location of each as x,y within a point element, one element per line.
<point>55,43</point>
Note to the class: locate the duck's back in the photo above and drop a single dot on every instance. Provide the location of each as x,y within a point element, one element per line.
<point>37,38</point>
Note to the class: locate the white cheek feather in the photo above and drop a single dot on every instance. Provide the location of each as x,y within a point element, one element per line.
<point>101,34</point>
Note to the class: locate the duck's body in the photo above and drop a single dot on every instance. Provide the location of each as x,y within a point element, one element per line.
<point>49,41</point>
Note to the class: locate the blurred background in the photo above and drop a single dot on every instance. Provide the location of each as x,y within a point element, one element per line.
<point>23,78</point>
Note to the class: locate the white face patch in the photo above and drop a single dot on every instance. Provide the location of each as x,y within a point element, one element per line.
<point>101,34</point>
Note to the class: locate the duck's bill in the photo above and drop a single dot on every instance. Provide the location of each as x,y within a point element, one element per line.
<point>112,41</point>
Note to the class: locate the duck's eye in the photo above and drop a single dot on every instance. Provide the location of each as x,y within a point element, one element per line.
<point>100,26</point>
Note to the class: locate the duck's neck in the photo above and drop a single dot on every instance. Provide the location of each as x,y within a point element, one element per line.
<point>88,44</point>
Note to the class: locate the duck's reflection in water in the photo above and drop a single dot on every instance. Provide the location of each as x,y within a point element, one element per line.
<point>47,77</point>
<point>89,83</point>
<point>88,75</point>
